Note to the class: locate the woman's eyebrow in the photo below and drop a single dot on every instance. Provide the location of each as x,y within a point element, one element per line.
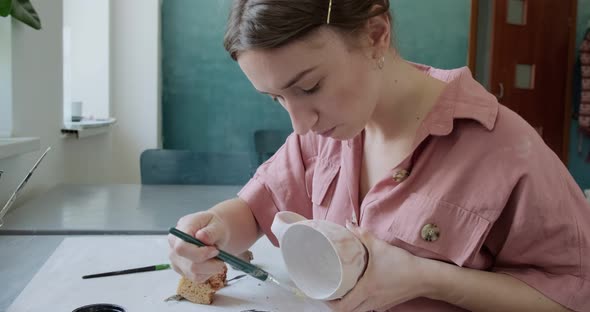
<point>294,80</point>
<point>298,77</point>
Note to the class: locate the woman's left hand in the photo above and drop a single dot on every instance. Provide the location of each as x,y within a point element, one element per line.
<point>393,276</point>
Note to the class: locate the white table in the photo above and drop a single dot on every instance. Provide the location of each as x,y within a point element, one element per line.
<point>20,259</point>
<point>70,209</point>
<point>34,229</point>
<point>58,286</point>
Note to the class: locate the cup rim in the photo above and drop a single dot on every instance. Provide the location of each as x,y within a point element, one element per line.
<point>341,265</point>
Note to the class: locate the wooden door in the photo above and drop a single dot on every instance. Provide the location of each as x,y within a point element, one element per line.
<point>531,60</point>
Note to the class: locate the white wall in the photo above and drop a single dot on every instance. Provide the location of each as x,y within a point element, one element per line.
<point>88,25</point>
<point>135,86</point>
<point>37,92</point>
<point>37,99</point>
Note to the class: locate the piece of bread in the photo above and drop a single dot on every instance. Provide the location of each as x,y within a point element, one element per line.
<point>201,293</point>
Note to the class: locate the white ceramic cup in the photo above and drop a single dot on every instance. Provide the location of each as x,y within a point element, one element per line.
<point>324,259</point>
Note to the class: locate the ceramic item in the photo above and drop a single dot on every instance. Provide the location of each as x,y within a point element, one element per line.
<point>324,259</point>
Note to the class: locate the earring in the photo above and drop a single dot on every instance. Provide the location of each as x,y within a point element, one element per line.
<point>381,62</point>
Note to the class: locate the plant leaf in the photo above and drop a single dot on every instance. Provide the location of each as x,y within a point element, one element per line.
<point>5,6</point>
<point>23,11</point>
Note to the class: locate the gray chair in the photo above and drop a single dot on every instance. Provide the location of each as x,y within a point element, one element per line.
<point>268,141</point>
<point>164,166</point>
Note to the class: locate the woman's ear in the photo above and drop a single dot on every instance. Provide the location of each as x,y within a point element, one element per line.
<point>379,34</point>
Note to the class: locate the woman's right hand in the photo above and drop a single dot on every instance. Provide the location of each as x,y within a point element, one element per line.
<point>193,262</point>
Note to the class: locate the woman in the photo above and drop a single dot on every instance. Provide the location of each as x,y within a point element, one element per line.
<point>458,200</point>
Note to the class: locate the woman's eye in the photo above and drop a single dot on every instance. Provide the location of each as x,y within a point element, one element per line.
<point>312,90</point>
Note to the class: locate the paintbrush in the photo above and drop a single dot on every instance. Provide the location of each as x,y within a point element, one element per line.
<point>238,263</point>
<point>150,268</point>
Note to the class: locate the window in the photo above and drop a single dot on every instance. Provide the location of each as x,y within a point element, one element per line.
<point>9,145</point>
<point>5,77</point>
<point>525,76</point>
<point>86,62</point>
<point>516,14</point>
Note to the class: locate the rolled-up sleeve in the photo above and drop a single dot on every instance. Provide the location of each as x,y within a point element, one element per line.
<point>542,237</point>
<point>279,184</point>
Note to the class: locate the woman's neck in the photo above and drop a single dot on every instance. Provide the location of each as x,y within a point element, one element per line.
<point>407,95</point>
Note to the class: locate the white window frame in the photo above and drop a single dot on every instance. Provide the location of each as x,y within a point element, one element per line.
<point>86,59</point>
<point>9,145</point>
<point>6,77</point>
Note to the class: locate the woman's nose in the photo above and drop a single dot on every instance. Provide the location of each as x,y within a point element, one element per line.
<point>302,119</point>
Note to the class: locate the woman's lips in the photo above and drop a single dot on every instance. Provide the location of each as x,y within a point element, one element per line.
<point>327,132</point>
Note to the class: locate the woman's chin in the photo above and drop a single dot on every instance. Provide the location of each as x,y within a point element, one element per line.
<point>343,136</point>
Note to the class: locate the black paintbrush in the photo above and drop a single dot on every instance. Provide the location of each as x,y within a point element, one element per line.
<point>237,263</point>
<point>150,268</point>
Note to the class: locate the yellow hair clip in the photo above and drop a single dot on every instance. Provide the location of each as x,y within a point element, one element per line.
<point>329,12</point>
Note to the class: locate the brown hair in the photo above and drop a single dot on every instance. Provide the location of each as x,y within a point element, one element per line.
<point>271,24</point>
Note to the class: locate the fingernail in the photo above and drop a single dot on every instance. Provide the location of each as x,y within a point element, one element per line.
<point>213,253</point>
<point>202,235</point>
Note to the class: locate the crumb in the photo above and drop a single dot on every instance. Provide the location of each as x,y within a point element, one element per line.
<point>174,298</point>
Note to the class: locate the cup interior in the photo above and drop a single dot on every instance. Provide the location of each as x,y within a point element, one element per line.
<point>312,261</point>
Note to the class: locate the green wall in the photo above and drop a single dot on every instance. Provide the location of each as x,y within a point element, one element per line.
<point>209,105</point>
<point>433,32</point>
<point>577,165</point>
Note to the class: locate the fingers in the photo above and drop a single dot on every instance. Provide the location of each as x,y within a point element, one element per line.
<point>212,233</point>
<point>357,297</point>
<point>334,305</point>
<point>363,235</point>
<point>351,301</point>
<point>204,226</point>
<point>194,262</point>
<point>337,306</point>
<point>365,306</point>
<point>200,272</point>
<point>190,251</point>
<point>368,305</point>
<point>196,272</point>
<point>191,223</point>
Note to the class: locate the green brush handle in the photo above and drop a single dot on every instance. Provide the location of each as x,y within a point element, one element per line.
<point>230,259</point>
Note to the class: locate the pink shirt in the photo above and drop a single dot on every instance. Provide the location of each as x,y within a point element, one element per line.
<point>501,200</point>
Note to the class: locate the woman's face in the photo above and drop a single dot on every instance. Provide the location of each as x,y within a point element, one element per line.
<point>325,85</point>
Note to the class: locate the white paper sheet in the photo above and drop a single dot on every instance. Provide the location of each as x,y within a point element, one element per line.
<point>58,285</point>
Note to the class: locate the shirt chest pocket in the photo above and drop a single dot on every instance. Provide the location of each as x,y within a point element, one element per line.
<point>435,226</point>
<point>323,186</point>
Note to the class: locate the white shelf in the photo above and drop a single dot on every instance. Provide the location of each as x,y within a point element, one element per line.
<point>87,128</point>
<point>10,147</point>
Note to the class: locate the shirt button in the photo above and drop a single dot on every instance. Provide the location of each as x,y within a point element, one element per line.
<point>401,175</point>
<point>430,232</point>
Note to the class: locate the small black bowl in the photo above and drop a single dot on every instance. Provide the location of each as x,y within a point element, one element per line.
<point>100,307</point>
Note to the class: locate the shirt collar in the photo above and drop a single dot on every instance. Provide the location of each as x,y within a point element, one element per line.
<point>462,98</point>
